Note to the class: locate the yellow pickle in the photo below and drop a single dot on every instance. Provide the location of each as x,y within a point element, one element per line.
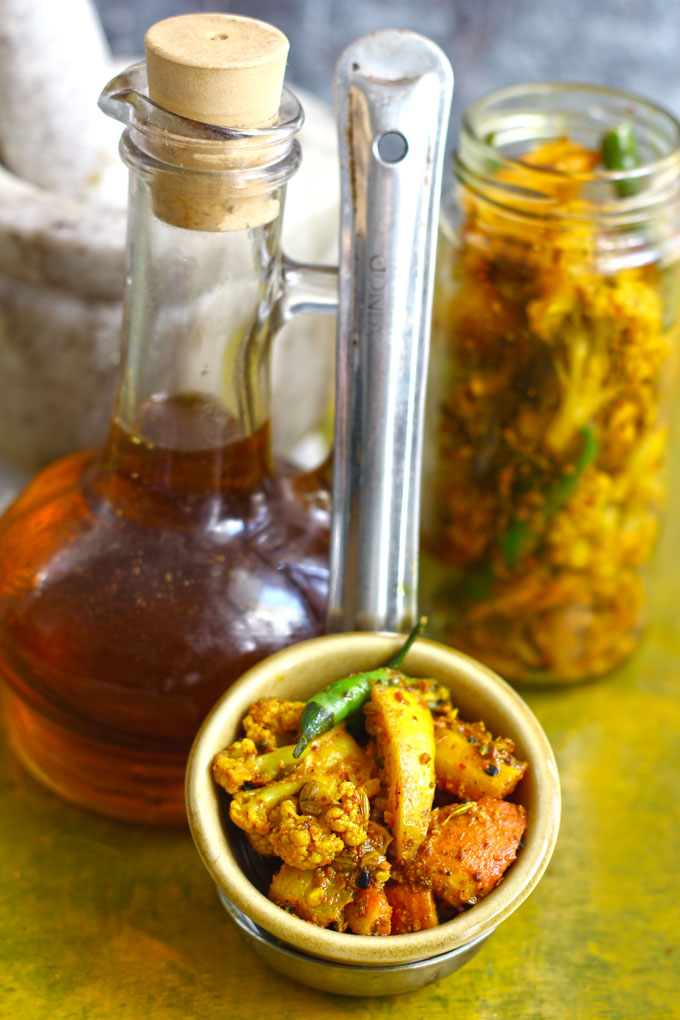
<point>554,363</point>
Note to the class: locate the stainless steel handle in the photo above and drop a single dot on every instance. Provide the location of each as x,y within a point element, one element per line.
<point>393,97</point>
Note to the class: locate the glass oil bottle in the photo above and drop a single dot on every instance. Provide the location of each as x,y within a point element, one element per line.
<point>137,581</point>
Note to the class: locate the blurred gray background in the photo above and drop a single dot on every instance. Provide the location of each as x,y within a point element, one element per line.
<point>633,44</point>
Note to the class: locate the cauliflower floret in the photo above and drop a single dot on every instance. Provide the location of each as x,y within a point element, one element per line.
<point>256,810</point>
<point>604,527</point>
<point>308,817</point>
<point>344,805</point>
<point>240,763</point>
<point>349,815</point>
<point>235,765</point>
<point>586,532</point>
<point>304,841</point>
<point>261,844</point>
<point>583,366</point>
<point>272,722</point>
<point>330,815</point>
<point>306,821</point>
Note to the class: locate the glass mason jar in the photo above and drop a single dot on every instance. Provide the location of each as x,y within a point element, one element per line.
<point>138,581</point>
<point>554,363</point>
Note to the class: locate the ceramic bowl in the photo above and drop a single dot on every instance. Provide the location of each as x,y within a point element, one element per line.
<point>297,673</point>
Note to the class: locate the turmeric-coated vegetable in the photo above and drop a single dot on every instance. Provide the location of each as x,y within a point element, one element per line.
<point>240,764</point>
<point>318,896</point>
<point>466,853</point>
<point>352,824</point>
<point>273,722</point>
<point>367,863</point>
<point>413,908</point>
<point>555,346</point>
<point>402,727</point>
<point>370,912</point>
<point>470,763</point>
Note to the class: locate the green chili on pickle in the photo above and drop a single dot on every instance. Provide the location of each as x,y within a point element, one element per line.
<point>344,697</point>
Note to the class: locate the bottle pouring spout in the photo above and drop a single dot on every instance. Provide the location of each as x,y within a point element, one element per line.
<point>126,98</point>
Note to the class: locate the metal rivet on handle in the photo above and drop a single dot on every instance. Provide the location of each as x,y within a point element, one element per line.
<point>391,146</point>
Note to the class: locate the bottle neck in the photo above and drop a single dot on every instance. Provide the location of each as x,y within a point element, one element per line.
<point>194,378</point>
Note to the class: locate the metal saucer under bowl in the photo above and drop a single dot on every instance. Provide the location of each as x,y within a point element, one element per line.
<point>341,978</point>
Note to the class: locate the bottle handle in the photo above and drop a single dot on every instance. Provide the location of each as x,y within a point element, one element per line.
<point>307,289</point>
<point>393,97</point>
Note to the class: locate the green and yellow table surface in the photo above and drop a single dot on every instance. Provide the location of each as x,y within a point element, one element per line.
<point>105,921</point>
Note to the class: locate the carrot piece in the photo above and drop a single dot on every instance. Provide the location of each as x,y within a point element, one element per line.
<point>413,908</point>
<point>467,850</point>
<point>370,913</point>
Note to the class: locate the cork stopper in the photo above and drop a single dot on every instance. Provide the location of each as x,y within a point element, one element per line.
<point>220,69</point>
<point>217,68</point>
